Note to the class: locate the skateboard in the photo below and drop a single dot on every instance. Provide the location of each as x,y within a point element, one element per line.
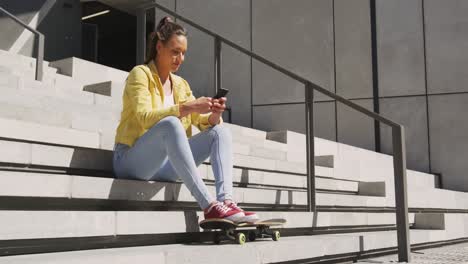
<point>229,229</point>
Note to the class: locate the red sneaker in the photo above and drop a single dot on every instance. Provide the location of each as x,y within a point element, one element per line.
<point>221,211</point>
<point>250,217</point>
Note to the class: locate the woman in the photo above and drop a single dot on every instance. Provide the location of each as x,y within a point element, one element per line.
<point>154,139</point>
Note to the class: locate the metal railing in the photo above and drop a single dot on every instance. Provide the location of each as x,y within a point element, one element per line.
<point>39,44</point>
<point>398,134</point>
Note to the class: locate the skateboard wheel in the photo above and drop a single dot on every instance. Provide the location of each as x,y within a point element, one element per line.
<point>240,238</point>
<point>276,235</point>
<point>252,236</point>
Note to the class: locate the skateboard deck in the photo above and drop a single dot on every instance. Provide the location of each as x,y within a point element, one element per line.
<point>229,229</point>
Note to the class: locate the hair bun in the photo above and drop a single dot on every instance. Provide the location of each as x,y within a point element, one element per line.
<point>167,19</point>
<point>163,22</point>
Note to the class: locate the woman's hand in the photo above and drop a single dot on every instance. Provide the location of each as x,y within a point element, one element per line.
<point>219,105</point>
<point>200,105</point>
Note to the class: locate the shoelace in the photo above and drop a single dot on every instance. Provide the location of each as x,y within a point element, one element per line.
<point>222,208</point>
<point>234,205</point>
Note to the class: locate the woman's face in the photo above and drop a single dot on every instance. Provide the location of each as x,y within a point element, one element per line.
<point>172,54</point>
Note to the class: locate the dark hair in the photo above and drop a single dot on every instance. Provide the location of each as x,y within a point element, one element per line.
<point>164,31</point>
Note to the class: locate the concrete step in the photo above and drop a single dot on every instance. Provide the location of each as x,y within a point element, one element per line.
<point>16,129</point>
<point>34,132</point>
<point>107,124</point>
<point>90,161</point>
<point>22,64</point>
<point>247,136</point>
<point>83,187</point>
<point>106,188</point>
<point>61,224</point>
<point>351,162</point>
<point>262,251</point>
<point>59,86</point>
<point>40,100</point>
<point>87,72</point>
<point>83,118</point>
<point>65,156</point>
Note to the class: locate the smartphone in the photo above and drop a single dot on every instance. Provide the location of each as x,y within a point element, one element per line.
<point>221,93</point>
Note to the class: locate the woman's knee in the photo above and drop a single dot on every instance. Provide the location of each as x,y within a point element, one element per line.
<point>171,123</point>
<point>221,132</point>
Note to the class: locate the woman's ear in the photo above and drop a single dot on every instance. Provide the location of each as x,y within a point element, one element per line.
<point>159,46</point>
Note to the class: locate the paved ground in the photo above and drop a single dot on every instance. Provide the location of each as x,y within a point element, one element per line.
<point>455,254</point>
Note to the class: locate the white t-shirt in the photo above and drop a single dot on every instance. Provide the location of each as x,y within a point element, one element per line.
<point>168,100</point>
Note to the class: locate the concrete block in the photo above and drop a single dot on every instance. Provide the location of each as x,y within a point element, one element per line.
<point>42,116</point>
<point>49,102</point>
<point>240,148</point>
<point>246,131</point>
<point>253,162</point>
<point>8,80</point>
<point>15,152</point>
<point>22,130</point>
<point>108,101</point>
<point>69,157</point>
<point>16,183</point>
<point>268,153</point>
<point>133,223</point>
<point>88,72</point>
<point>283,197</point>
<point>102,188</point>
<point>289,166</point>
<point>107,140</point>
<point>417,179</point>
<point>182,194</point>
<point>67,83</point>
<point>55,224</point>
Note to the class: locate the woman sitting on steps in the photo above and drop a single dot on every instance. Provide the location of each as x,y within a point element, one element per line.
<point>154,139</point>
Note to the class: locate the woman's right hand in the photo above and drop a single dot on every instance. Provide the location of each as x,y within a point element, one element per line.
<point>200,105</point>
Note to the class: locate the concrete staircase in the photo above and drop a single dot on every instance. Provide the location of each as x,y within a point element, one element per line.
<point>58,194</point>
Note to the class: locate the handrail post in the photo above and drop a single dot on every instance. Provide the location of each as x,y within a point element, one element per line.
<point>310,145</point>
<point>39,38</point>
<point>401,199</point>
<point>40,58</point>
<point>217,64</point>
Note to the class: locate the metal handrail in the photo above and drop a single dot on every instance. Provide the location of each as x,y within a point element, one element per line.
<point>40,44</point>
<point>398,134</point>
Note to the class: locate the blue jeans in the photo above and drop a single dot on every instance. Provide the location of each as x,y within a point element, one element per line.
<point>164,153</point>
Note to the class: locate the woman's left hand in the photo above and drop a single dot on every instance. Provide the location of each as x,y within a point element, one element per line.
<point>218,105</point>
<point>217,109</point>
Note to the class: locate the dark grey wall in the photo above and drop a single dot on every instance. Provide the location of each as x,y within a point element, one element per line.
<point>61,27</point>
<point>446,35</point>
<point>420,68</point>
<point>421,61</point>
<point>230,19</point>
<point>10,30</point>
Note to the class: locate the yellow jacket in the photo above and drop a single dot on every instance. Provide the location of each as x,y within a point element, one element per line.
<point>143,99</point>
